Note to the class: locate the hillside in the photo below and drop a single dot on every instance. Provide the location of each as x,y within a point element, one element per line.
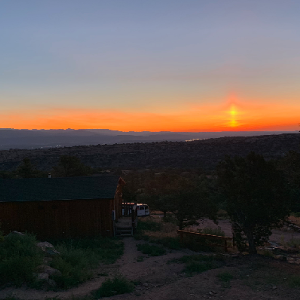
<point>195,154</point>
<point>57,138</point>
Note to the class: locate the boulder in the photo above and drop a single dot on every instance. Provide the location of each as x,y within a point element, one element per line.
<point>47,248</point>
<point>44,269</point>
<point>16,233</point>
<point>42,276</point>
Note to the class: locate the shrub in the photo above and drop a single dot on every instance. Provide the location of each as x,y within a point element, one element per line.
<point>19,257</point>
<point>149,225</point>
<point>296,214</point>
<point>168,241</point>
<point>222,214</point>
<point>170,219</point>
<point>79,256</point>
<point>151,250</point>
<point>294,242</point>
<point>294,281</point>
<point>225,278</point>
<point>158,232</point>
<point>117,285</point>
<point>200,263</point>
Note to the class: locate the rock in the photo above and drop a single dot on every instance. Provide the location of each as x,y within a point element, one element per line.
<point>52,271</point>
<point>42,276</point>
<point>48,270</point>
<point>291,260</point>
<point>212,293</point>
<point>41,268</point>
<point>47,248</point>
<point>16,233</point>
<point>145,284</point>
<point>52,283</point>
<point>280,257</point>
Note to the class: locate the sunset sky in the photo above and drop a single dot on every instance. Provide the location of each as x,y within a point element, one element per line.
<point>157,65</point>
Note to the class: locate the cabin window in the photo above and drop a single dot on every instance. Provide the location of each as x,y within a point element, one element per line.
<point>142,208</point>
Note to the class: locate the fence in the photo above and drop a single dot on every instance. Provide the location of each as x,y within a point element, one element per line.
<point>186,237</point>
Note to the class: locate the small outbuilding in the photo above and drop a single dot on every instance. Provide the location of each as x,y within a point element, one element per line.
<point>61,207</point>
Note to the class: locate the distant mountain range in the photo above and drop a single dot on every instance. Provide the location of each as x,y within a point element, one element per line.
<point>203,154</point>
<point>55,138</point>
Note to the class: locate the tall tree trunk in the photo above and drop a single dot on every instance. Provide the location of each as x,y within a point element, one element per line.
<point>252,248</point>
<point>180,224</point>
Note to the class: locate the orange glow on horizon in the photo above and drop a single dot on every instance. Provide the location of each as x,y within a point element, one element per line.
<point>235,115</point>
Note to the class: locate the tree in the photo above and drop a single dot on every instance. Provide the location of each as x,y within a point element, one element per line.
<point>27,170</point>
<point>256,198</point>
<point>290,165</point>
<point>192,201</point>
<point>160,191</point>
<point>70,166</point>
<point>187,198</point>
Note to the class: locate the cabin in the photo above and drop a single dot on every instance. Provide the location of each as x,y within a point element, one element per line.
<point>61,207</point>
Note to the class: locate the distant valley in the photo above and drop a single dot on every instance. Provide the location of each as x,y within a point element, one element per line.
<point>55,138</point>
<point>204,153</point>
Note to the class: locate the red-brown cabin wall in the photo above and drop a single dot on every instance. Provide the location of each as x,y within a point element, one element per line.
<point>58,219</point>
<point>119,199</point>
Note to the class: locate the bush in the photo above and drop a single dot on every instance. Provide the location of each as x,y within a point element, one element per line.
<point>167,241</point>
<point>294,242</point>
<point>79,256</point>
<point>19,257</point>
<point>151,250</point>
<point>149,225</point>
<point>170,219</point>
<point>118,285</point>
<point>222,214</point>
<point>294,281</point>
<point>225,278</point>
<point>200,263</point>
<point>296,214</point>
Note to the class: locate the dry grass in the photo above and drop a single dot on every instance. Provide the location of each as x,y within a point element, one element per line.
<point>167,230</point>
<point>166,235</point>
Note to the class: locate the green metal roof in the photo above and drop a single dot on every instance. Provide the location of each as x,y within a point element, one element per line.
<point>48,189</point>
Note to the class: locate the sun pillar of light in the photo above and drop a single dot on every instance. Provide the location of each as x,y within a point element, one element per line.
<point>233,115</point>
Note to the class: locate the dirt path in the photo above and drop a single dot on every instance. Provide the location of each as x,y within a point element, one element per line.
<point>157,280</point>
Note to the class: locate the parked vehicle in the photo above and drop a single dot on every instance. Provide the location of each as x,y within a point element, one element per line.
<point>142,209</point>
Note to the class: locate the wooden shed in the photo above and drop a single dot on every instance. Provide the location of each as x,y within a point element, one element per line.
<point>61,207</point>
